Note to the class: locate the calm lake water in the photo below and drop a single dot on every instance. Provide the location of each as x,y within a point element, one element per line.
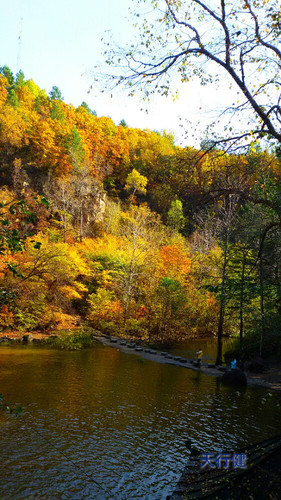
<point>102,424</point>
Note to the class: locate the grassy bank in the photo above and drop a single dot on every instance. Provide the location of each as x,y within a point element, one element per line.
<point>59,339</point>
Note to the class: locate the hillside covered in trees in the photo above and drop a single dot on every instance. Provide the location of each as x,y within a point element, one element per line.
<point>124,230</point>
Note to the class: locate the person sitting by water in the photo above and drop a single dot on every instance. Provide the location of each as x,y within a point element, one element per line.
<point>233,364</point>
<point>199,355</point>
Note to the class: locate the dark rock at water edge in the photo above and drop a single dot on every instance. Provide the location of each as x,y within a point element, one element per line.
<point>234,378</point>
<point>221,368</point>
<point>27,337</point>
<point>196,363</point>
<point>256,365</point>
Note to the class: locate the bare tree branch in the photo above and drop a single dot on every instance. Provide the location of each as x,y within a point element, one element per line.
<point>193,32</point>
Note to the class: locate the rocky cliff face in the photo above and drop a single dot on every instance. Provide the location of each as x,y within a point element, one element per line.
<point>99,205</point>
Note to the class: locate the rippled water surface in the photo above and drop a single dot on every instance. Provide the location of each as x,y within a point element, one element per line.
<point>102,424</point>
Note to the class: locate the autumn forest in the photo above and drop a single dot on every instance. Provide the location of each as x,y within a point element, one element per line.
<point>121,229</point>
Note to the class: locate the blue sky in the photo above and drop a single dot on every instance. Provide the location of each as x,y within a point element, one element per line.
<point>61,44</point>
<point>61,39</point>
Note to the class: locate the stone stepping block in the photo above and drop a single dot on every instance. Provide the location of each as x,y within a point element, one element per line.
<point>197,364</point>
<point>148,351</point>
<point>138,348</point>
<point>169,356</point>
<point>113,340</point>
<point>131,345</point>
<point>123,342</point>
<point>153,352</point>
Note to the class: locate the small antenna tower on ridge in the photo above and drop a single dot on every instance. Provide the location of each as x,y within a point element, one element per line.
<point>19,46</point>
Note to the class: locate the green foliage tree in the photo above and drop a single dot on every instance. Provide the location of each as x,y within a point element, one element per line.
<point>175,217</point>
<point>20,78</point>
<point>123,123</point>
<point>56,112</point>
<point>74,146</point>
<point>5,70</point>
<point>55,94</point>
<point>87,107</point>
<point>13,98</point>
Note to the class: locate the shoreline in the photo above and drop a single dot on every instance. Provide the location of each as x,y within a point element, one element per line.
<point>270,380</point>
<point>159,357</point>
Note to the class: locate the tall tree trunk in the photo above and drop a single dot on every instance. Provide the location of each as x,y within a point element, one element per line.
<point>64,230</point>
<point>64,221</point>
<point>222,303</point>
<point>132,197</point>
<point>127,301</point>
<point>262,307</point>
<point>64,211</point>
<point>242,297</point>
<point>129,288</point>
<point>81,223</point>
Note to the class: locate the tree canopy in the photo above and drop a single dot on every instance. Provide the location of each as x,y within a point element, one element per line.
<point>122,228</point>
